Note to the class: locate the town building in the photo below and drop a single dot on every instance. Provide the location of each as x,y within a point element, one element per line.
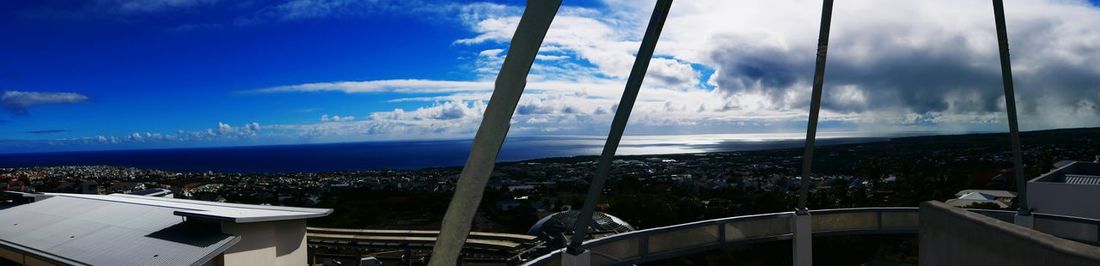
<point>120,229</point>
<point>1067,190</point>
<point>970,197</point>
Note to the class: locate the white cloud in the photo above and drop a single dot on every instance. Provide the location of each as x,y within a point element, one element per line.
<point>222,132</point>
<point>336,118</point>
<point>17,102</point>
<point>379,86</point>
<point>148,6</point>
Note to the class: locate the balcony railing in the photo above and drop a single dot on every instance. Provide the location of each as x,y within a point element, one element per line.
<point>683,239</point>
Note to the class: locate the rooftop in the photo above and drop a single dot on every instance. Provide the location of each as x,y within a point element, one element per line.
<point>72,228</point>
<point>230,212</point>
<point>1073,173</point>
<point>991,193</point>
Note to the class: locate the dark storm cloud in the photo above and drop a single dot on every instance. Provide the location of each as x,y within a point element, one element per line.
<point>759,68</point>
<point>945,77</point>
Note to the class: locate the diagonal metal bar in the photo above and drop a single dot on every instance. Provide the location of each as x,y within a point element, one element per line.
<point>494,127</point>
<point>618,125</point>
<point>1010,106</point>
<point>815,103</point>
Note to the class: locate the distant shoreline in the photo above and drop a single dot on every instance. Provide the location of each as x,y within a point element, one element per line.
<point>413,155</point>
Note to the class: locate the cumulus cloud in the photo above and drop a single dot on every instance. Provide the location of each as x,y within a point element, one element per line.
<point>222,132</point>
<point>440,119</point>
<point>336,118</point>
<point>249,129</point>
<point>17,102</point>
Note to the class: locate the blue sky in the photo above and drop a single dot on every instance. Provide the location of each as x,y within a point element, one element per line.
<point>120,74</point>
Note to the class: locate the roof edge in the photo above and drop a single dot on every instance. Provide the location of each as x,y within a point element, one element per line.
<point>205,215</point>
<point>38,253</point>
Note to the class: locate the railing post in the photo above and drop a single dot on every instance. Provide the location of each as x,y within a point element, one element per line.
<point>1025,220</point>
<point>1097,242</point>
<point>582,259</point>
<point>802,244</point>
<point>721,233</point>
<point>878,220</point>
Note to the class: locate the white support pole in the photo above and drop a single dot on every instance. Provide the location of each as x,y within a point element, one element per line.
<point>618,124</point>
<point>815,103</point>
<point>490,135</point>
<point>802,244</point>
<point>1010,109</point>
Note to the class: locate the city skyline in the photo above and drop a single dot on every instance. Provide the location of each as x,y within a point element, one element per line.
<point>121,74</point>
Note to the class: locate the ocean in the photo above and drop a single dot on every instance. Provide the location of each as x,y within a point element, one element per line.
<point>406,154</point>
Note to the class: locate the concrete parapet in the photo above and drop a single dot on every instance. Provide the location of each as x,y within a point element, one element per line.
<point>954,236</point>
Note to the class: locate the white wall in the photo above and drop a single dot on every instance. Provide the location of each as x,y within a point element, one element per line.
<point>281,243</point>
<point>1064,199</point>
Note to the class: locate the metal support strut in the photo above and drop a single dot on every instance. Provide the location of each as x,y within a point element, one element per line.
<point>494,127</point>
<point>618,125</point>
<point>1010,107</point>
<point>815,103</point>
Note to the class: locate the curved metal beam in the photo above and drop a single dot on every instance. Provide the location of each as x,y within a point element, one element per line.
<point>1010,106</point>
<point>815,103</point>
<point>494,127</point>
<point>618,125</point>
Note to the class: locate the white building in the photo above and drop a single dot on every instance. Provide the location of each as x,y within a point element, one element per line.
<point>118,229</point>
<point>1068,190</point>
<point>965,198</point>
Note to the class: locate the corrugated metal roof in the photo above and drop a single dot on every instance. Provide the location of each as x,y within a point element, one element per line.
<point>101,232</point>
<point>1082,179</point>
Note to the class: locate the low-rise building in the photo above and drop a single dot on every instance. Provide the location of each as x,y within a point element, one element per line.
<point>1068,190</point>
<point>965,198</point>
<point>118,229</point>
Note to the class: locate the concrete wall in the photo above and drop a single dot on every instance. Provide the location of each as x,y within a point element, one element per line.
<point>953,236</point>
<point>280,243</point>
<point>1064,199</point>
<point>290,246</point>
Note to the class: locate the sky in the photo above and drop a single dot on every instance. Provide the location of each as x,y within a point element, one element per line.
<point>137,74</point>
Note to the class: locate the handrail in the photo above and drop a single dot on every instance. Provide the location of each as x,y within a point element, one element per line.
<point>431,233</point>
<point>846,221</point>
